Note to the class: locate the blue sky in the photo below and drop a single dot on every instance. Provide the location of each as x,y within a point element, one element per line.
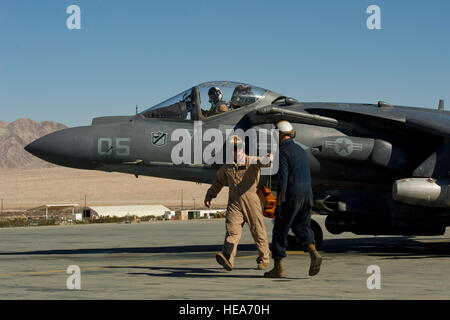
<point>142,52</point>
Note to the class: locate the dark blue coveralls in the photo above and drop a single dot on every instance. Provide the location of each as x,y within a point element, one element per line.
<point>294,183</point>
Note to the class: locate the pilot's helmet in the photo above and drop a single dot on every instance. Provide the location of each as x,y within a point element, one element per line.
<point>285,128</point>
<point>215,95</point>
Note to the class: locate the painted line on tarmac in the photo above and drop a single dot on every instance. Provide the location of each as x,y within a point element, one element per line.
<point>97,268</point>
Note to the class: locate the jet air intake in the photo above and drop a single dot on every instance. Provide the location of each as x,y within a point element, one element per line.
<point>426,192</point>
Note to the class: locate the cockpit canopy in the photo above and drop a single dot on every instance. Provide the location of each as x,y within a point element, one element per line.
<point>195,103</point>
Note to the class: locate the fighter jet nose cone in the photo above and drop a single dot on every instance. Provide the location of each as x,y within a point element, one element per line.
<point>30,148</point>
<point>40,148</point>
<point>69,147</point>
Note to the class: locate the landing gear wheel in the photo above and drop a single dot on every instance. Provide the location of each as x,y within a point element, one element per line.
<point>294,244</point>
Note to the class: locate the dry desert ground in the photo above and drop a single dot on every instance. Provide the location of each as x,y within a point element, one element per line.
<point>28,188</point>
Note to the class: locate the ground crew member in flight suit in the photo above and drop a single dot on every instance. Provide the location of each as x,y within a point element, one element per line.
<point>294,200</point>
<point>244,205</point>
<point>217,104</point>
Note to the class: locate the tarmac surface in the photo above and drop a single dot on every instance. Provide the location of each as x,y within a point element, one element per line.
<point>176,260</point>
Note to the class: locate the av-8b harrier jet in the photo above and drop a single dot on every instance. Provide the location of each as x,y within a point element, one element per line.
<point>376,169</point>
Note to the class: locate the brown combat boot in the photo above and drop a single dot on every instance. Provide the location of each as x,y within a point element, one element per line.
<point>316,260</point>
<point>262,265</point>
<point>277,271</point>
<point>223,261</point>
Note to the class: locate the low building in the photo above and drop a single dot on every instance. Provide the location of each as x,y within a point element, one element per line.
<point>123,211</point>
<point>182,215</point>
<point>193,214</point>
<point>77,217</point>
<point>54,209</point>
<point>209,213</point>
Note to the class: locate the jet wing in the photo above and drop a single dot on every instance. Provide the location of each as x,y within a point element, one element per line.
<point>436,124</point>
<point>429,121</point>
<point>357,117</point>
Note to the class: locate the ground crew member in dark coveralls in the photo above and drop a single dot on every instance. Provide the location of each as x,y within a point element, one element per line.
<point>294,202</point>
<point>244,204</point>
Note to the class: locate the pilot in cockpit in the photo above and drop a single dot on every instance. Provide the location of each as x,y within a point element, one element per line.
<point>242,96</point>
<point>218,105</point>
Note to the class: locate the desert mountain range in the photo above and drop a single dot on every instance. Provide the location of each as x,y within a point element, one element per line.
<point>14,136</point>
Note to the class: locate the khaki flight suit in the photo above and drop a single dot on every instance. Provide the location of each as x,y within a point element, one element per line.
<point>244,206</point>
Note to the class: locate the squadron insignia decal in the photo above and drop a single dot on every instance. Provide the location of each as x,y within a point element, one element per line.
<point>343,146</point>
<point>159,138</point>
